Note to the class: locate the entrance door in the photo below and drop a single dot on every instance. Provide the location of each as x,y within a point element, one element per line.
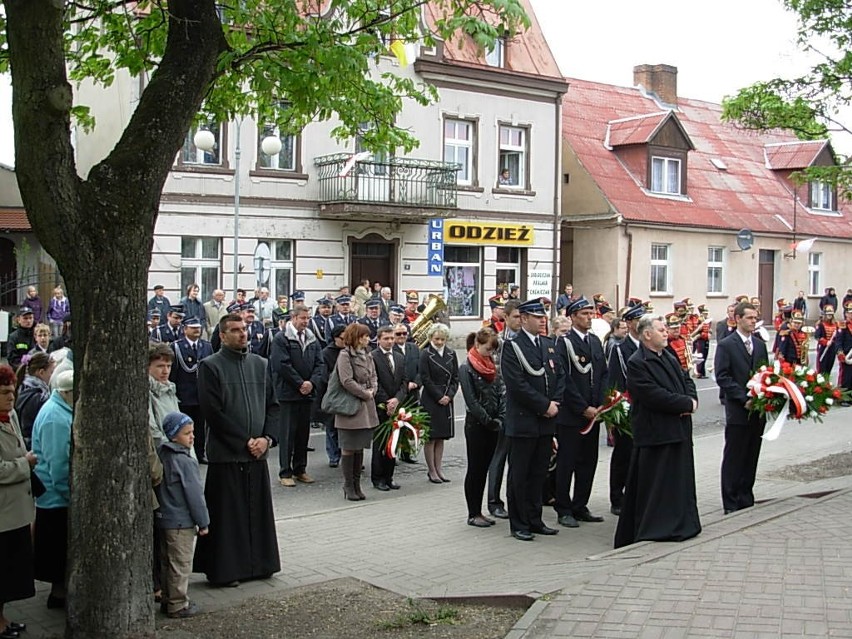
<point>373,258</point>
<point>766,284</point>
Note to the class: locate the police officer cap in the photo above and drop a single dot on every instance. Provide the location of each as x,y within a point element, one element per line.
<point>324,301</point>
<point>633,313</point>
<point>25,310</point>
<point>298,296</point>
<point>578,305</point>
<point>279,314</point>
<point>605,308</point>
<point>343,299</point>
<point>154,312</point>
<point>396,308</point>
<point>177,309</point>
<point>233,307</point>
<point>190,322</point>
<point>373,303</point>
<point>248,308</point>
<point>532,307</point>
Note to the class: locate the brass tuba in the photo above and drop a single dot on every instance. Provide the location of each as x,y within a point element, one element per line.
<point>420,327</point>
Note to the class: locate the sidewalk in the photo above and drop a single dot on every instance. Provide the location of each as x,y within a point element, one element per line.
<point>732,580</point>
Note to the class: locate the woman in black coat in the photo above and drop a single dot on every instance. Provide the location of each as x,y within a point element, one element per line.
<point>485,398</point>
<point>439,374</point>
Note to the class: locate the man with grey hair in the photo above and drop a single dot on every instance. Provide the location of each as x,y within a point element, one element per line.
<point>264,306</point>
<point>214,310</point>
<point>659,500</point>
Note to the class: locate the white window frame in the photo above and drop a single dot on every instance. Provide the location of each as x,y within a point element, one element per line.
<point>289,147</point>
<point>191,156</point>
<point>281,263</point>
<point>454,145</point>
<point>715,269</point>
<point>497,56</point>
<point>510,148</point>
<point>661,175</point>
<point>472,304</point>
<point>516,266</point>
<point>822,196</point>
<point>814,273</point>
<point>198,264</point>
<point>658,263</point>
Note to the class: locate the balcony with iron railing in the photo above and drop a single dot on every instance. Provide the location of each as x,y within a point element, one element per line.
<point>387,187</point>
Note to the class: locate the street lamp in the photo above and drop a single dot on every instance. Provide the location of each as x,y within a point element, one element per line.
<point>206,141</point>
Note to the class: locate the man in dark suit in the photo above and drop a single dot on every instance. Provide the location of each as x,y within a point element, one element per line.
<point>189,351</point>
<point>582,357</point>
<point>534,387</point>
<point>659,501</point>
<point>619,463</point>
<point>392,391</point>
<point>737,357</point>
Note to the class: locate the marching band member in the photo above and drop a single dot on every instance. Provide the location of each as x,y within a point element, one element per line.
<point>844,349</point>
<point>825,335</point>
<point>677,343</point>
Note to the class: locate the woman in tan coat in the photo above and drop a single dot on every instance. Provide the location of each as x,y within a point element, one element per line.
<point>17,509</point>
<point>358,376</point>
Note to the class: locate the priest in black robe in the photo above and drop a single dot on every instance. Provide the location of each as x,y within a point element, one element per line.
<point>236,394</point>
<point>659,501</point>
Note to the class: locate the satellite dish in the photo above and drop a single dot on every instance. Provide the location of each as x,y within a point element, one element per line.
<point>745,239</point>
<point>262,263</point>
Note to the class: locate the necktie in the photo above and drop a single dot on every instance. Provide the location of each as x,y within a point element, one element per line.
<point>302,338</point>
<point>535,341</point>
<point>195,348</point>
<point>586,340</point>
<point>390,360</point>
<point>749,346</point>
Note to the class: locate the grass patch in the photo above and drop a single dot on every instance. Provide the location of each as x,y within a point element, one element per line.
<point>417,614</point>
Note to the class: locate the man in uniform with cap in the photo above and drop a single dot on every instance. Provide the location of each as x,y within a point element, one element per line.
<point>189,350</point>
<point>582,358</point>
<point>396,314</point>
<point>373,319</point>
<point>534,387</point>
<point>791,342</point>
<point>171,331</point>
<point>159,301</point>
<point>21,340</point>
<point>497,321</point>
<point>411,302</point>
<point>622,448</point>
<point>321,321</point>
<point>824,335</point>
<point>254,328</point>
<point>676,343</point>
<point>701,344</point>
<point>153,325</point>
<point>844,350</point>
<point>343,316</point>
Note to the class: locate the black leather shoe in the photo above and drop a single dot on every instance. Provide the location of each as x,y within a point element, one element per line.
<point>479,522</point>
<point>568,521</point>
<point>17,627</point>
<point>408,459</point>
<point>499,513</point>
<point>381,486</point>
<point>728,511</point>
<point>522,535</point>
<point>587,517</point>
<point>393,486</point>
<point>544,530</point>
<point>8,633</point>
<point>616,510</point>
<point>433,481</point>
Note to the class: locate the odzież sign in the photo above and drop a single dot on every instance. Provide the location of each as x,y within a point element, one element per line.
<point>456,232</point>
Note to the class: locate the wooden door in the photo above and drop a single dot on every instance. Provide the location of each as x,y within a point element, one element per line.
<point>766,284</point>
<point>373,258</point>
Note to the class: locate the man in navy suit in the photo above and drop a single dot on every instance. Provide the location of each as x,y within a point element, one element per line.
<point>581,355</point>
<point>619,463</point>
<point>737,357</point>
<point>534,387</point>
<point>189,350</point>
<point>391,392</point>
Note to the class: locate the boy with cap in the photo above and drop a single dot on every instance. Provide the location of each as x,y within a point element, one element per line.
<point>182,510</point>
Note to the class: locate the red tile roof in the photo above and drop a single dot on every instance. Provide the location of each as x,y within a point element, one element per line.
<point>745,195</point>
<point>793,155</point>
<point>635,130</point>
<point>14,220</point>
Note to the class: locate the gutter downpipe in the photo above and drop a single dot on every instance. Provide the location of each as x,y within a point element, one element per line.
<point>557,208</point>
<point>629,264</point>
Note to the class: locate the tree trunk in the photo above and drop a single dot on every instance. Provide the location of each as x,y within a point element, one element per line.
<point>100,231</point>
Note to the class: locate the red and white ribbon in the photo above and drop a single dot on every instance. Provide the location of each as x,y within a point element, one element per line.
<point>614,400</point>
<point>401,423</point>
<point>794,403</point>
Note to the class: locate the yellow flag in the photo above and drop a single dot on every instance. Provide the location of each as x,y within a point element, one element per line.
<point>398,49</point>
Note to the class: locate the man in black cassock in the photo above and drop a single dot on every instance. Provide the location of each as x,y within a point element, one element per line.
<point>236,394</point>
<point>659,500</point>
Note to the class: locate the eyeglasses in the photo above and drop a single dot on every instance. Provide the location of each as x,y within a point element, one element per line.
<point>400,334</point>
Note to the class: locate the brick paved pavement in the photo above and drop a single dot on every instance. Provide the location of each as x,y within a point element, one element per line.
<point>415,542</point>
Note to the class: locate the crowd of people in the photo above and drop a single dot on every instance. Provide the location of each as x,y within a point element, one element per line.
<point>229,382</point>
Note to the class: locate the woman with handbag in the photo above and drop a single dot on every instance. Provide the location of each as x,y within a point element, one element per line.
<point>357,377</point>
<point>485,397</point>
<point>17,509</point>
<point>439,374</point>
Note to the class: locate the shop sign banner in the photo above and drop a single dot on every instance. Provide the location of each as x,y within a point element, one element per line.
<point>457,232</point>
<point>436,248</point>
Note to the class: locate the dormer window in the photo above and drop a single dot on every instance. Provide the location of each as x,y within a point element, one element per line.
<point>665,176</point>
<point>497,56</point>
<point>822,196</point>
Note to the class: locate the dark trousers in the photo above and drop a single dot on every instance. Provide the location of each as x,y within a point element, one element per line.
<point>825,360</point>
<point>495,472</point>
<point>701,346</point>
<point>200,430</point>
<point>528,457</point>
<point>381,466</point>
<point>480,443</point>
<point>294,431</point>
<point>619,464</point>
<point>739,463</point>
<point>576,462</point>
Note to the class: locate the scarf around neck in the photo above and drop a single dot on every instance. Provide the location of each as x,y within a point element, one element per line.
<point>482,365</point>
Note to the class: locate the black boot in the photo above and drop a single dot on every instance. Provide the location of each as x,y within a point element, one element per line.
<point>346,466</point>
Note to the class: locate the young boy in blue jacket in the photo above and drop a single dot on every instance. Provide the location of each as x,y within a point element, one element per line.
<point>182,511</point>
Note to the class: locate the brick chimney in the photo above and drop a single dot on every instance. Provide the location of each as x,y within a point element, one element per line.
<point>660,79</point>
